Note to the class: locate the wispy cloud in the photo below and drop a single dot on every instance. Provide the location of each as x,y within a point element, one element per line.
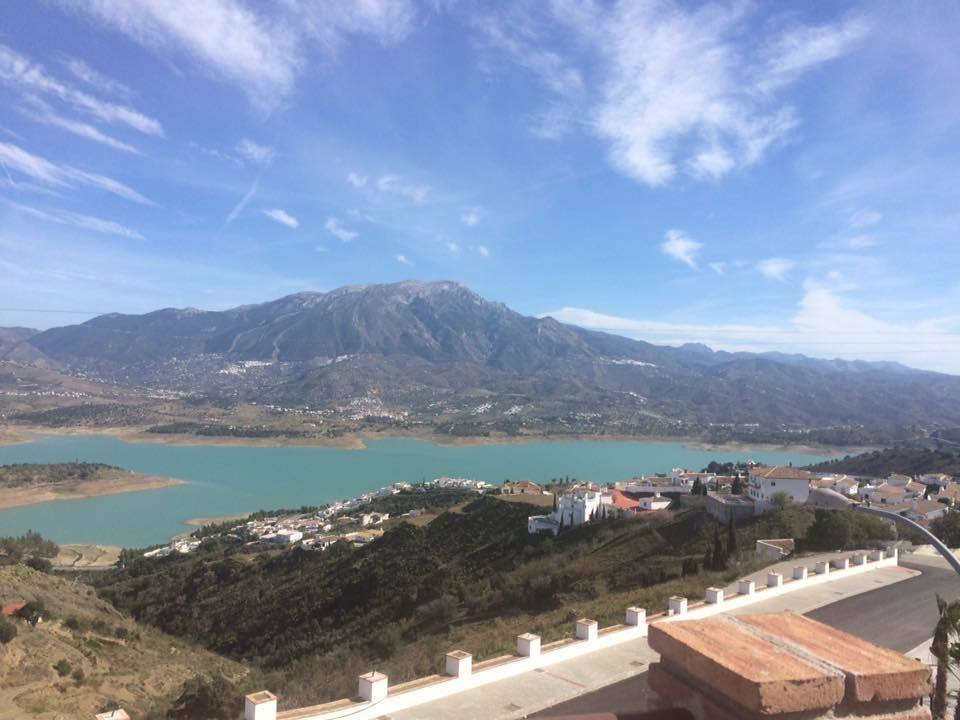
<point>681,248</point>
<point>282,217</point>
<point>244,201</point>
<point>41,112</point>
<point>680,91</point>
<point>402,259</point>
<point>483,251</point>
<point>865,218</point>
<point>13,157</point>
<point>824,324</point>
<point>85,222</point>
<point>261,48</point>
<point>394,185</point>
<point>254,152</point>
<point>96,79</point>
<point>357,180</point>
<point>334,227</point>
<point>452,247</point>
<point>718,267</point>
<point>776,268</point>
<point>23,75</point>
<point>470,217</point>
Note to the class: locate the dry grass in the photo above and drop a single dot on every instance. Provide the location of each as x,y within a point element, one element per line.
<point>541,501</point>
<point>131,664</point>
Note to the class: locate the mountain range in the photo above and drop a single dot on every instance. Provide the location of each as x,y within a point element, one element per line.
<point>425,350</point>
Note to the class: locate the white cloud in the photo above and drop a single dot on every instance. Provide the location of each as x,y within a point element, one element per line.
<point>393,185</point>
<point>718,267</point>
<point>85,222</point>
<point>403,259</point>
<point>254,152</point>
<point>261,48</point>
<point>803,47</point>
<point>13,157</point>
<point>483,251</point>
<point>25,76</point>
<point>319,248</point>
<point>776,268</point>
<point>282,217</point>
<point>470,217</point>
<point>453,247</point>
<point>334,227</point>
<point>82,129</point>
<point>357,180</point>
<point>825,324</point>
<point>96,79</point>
<point>239,207</point>
<point>681,87</point>
<point>681,248</point>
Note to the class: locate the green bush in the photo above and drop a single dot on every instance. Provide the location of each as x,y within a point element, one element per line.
<point>8,631</point>
<point>62,667</point>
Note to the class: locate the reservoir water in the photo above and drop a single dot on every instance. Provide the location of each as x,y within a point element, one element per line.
<point>228,480</point>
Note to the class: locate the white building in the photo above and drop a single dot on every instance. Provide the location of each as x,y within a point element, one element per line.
<point>655,502</point>
<point>287,537</point>
<point>766,482</point>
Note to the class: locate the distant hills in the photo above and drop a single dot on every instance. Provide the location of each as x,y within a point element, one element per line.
<point>438,349</point>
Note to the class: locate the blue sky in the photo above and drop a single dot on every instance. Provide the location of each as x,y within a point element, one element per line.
<point>761,176</point>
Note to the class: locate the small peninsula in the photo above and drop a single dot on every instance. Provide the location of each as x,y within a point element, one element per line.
<point>31,483</point>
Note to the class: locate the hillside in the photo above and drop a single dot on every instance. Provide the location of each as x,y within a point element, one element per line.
<point>110,656</point>
<point>471,578</point>
<point>905,460</point>
<point>412,354</point>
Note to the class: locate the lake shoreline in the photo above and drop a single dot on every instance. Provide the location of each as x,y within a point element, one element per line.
<point>360,440</point>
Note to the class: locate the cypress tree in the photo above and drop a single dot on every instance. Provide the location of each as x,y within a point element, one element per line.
<point>731,538</point>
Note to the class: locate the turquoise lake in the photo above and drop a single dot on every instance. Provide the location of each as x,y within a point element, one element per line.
<point>228,480</point>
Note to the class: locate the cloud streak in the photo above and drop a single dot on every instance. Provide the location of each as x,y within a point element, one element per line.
<point>25,76</point>
<point>13,157</point>
<point>259,48</point>
<point>77,220</point>
<point>282,217</point>
<point>681,248</point>
<point>333,226</point>
<point>244,201</point>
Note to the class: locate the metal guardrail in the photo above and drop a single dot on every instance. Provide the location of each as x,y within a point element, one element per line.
<point>824,497</point>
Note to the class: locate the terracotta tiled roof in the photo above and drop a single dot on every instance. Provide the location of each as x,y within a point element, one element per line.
<point>782,472</point>
<point>622,502</point>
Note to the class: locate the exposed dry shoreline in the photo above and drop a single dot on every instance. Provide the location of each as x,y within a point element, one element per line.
<point>358,441</point>
<point>110,483</point>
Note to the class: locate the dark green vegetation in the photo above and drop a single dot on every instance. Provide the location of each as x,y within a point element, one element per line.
<point>26,474</point>
<point>472,578</point>
<point>208,430</point>
<point>833,530</point>
<point>438,350</point>
<point>27,547</point>
<point>905,460</point>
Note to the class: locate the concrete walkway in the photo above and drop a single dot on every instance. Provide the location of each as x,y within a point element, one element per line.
<point>526,694</point>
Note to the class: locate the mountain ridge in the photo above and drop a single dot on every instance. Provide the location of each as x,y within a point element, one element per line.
<point>410,346</point>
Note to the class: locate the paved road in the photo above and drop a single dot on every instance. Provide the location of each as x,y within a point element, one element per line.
<point>899,616</point>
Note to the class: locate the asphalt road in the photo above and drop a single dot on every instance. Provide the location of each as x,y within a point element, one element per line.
<point>899,616</point>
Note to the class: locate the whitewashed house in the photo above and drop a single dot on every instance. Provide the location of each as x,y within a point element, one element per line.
<point>766,482</point>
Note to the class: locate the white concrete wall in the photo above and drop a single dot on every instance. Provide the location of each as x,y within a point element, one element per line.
<point>550,656</point>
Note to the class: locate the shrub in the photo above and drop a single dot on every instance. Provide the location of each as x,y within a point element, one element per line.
<point>62,667</point>
<point>72,623</point>
<point>78,676</point>
<point>214,698</point>
<point>8,631</point>
<point>40,564</point>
